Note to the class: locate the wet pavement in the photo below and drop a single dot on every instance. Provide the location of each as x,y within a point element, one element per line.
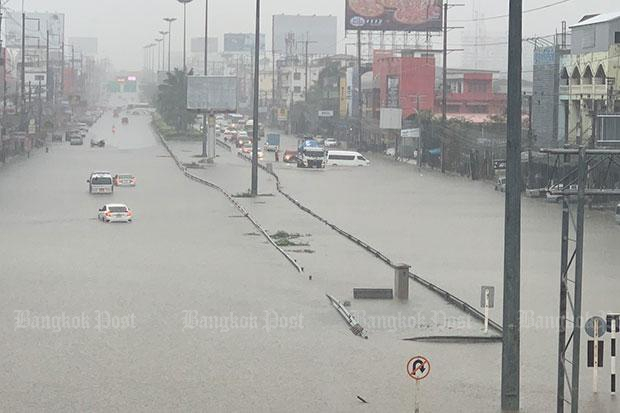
<point>189,254</point>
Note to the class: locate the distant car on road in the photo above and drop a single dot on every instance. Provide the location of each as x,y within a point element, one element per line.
<point>124,180</point>
<point>76,140</point>
<point>289,156</point>
<point>115,213</point>
<point>247,147</point>
<point>125,121</point>
<point>100,183</point>
<point>330,143</point>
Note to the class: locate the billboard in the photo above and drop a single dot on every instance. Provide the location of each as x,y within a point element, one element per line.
<point>37,25</point>
<point>198,45</point>
<point>320,31</point>
<point>241,42</point>
<point>394,15</point>
<point>212,93</point>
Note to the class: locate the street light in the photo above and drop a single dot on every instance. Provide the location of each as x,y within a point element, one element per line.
<point>169,20</point>
<point>159,42</point>
<point>184,2</point>
<point>163,49</point>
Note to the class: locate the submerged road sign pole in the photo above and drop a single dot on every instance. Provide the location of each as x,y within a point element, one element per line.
<point>512,228</point>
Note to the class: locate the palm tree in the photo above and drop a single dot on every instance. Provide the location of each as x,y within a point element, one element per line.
<point>172,100</point>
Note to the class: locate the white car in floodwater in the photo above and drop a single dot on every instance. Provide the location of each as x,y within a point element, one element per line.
<point>115,213</point>
<point>346,158</point>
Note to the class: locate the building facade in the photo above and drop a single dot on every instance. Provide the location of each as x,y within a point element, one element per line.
<point>587,77</point>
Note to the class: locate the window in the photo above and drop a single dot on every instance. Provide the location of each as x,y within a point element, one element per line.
<point>98,180</point>
<point>297,76</point>
<point>297,89</point>
<point>617,38</point>
<point>342,157</point>
<point>361,158</point>
<point>118,209</point>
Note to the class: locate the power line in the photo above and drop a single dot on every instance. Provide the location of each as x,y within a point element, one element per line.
<point>503,16</point>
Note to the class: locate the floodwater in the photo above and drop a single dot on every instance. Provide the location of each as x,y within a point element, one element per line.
<point>189,254</point>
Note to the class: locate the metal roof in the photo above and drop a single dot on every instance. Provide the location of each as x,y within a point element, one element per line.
<point>597,19</point>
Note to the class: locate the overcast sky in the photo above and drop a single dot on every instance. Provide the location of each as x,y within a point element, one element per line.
<point>124,26</point>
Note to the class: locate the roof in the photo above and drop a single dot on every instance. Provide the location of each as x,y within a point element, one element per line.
<point>597,19</point>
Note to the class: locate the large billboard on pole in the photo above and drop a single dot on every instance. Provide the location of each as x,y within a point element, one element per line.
<point>212,93</point>
<point>394,15</point>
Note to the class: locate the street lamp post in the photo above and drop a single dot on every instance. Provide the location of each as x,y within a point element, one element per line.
<point>163,49</point>
<point>184,2</point>
<point>255,115</point>
<point>159,54</point>
<point>169,20</point>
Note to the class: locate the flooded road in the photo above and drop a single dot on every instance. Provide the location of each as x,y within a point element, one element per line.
<point>183,310</point>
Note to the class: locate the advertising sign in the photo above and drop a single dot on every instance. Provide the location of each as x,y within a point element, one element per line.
<point>394,15</point>
<point>326,113</point>
<point>212,93</point>
<point>391,118</point>
<point>393,92</point>
<point>241,42</point>
<point>344,102</point>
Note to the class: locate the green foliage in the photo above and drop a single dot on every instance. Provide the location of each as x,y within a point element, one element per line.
<point>172,100</point>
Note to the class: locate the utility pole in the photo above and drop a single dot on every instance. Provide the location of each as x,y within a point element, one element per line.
<point>62,67</point>
<point>254,190</point>
<point>205,131</point>
<point>48,95</point>
<point>419,137</point>
<point>530,143</point>
<point>307,42</point>
<point>444,72</point>
<point>512,227</point>
<point>359,86</point>
<point>444,99</point>
<point>23,71</point>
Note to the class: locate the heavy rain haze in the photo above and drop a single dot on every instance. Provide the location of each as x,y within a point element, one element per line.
<point>343,224</point>
<point>123,27</point>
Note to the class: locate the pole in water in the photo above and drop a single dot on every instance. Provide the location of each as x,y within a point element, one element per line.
<point>416,397</point>
<point>595,350</point>
<point>486,311</point>
<point>614,321</point>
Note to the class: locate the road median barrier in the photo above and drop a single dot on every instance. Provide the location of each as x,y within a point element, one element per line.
<point>449,297</point>
<point>230,198</point>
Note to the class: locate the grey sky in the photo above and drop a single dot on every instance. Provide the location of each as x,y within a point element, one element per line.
<point>124,26</point>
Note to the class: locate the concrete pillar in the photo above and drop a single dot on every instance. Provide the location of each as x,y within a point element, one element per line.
<point>401,281</point>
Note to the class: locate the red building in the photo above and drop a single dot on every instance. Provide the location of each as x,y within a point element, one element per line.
<point>404,80</point>
<point>470,95</point>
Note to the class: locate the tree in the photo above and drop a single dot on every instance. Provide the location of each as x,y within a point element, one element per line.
<point>172,100</point>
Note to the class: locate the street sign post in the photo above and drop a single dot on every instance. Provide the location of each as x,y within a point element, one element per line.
<point>595,327</point>
<point>418,368</point>
<point>613,327</point>
<point>487,300</point>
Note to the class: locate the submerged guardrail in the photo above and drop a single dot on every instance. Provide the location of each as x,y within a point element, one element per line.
<point>451,298</point>
<point>241,209</point>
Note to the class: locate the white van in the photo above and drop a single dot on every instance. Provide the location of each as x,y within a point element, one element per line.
<point>100,183</point>
<point>346,158</point>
